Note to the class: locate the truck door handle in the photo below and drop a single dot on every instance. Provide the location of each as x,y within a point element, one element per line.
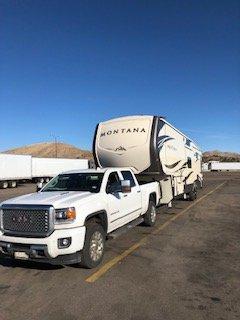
<point>125,195</point>
<point>138,191</point>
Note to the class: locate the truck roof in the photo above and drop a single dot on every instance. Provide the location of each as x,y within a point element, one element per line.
<point>99,170</point>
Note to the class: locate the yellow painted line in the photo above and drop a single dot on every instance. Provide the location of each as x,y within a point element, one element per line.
<point>111,263</point>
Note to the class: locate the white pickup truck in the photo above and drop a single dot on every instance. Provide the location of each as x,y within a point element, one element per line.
<point>68,220</point>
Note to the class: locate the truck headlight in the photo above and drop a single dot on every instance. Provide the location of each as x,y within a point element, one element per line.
<point>65,215</point>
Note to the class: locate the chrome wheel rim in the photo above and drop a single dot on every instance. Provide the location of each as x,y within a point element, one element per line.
<point>153,214</point>
<point>96,246</point>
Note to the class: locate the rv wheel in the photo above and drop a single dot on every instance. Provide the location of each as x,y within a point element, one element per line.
<point>151,215</point>
<point>193,194</point>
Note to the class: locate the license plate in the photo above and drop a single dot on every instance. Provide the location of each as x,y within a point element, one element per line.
<point>21,255</point>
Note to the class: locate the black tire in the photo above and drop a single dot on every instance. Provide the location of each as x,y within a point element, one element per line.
<point>13,184</point>
<point>199,184</point>
<point>93,229</point>
<point>193,193</point>
<point>4,185</point>
<point>151,215</point>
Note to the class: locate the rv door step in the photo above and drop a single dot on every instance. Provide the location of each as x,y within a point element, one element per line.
<point>117,233</point>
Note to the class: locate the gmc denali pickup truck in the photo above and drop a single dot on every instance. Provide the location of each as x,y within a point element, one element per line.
<point>68,220</point>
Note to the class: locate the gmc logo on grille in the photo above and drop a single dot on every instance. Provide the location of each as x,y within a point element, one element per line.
<point>20,219</point>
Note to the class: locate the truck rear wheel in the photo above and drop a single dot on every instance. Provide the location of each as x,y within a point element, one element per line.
<point>151,215</point>
<point>94,245</point>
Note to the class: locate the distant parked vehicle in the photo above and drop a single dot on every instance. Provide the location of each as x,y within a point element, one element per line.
<point>13,169</point>
<point>18,168</point>
<point>43,169</point>
<point>223,166</point>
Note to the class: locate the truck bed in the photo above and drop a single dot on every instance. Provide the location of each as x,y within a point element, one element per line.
<point>148,188</point>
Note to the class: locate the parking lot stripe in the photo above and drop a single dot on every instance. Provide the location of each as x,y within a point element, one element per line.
<point>111,263</point>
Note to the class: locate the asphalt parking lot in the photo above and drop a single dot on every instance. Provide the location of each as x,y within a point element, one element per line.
<point>186,267</point>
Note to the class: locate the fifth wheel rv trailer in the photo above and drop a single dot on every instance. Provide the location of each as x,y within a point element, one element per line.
<point>14,168</point>
<point>156,151</point>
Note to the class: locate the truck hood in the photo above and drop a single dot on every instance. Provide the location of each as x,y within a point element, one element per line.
<point>55,198</point>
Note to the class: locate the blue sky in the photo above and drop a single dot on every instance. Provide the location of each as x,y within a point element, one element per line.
<point>66,65</point>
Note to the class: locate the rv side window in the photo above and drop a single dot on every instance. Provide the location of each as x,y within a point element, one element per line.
<point>188,142</point>
<point>189,162</point>
<point>128,176</point>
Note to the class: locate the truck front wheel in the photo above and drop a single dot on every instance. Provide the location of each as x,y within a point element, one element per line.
<point>151,215</point>
<point>94,245</point>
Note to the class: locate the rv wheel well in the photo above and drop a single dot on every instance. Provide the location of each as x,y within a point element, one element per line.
<point>153,197</point>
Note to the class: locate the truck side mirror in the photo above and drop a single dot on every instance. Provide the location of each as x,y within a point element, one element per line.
<point>39,186</point>
<point>125,186</point>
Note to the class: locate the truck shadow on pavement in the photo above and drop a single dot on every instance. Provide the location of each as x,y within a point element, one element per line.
<point>11,263</point>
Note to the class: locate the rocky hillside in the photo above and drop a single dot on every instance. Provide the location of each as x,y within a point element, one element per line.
<point>52,150</point>
<point>221,156</point>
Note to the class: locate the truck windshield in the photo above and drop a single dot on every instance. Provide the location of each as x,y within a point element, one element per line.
<point>75,182</point>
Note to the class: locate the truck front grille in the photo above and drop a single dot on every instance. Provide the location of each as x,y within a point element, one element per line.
<point>27,221</point>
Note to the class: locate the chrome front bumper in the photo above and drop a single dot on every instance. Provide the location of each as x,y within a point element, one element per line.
<point>46,249</point>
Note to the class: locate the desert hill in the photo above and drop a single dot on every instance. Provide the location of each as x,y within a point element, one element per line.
<point>51,150</point>
<point>221,156</point>
<point>64,150</point>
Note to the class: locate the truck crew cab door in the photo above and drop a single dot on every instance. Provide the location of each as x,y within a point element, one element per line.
<point>115,201</point>
<point>133,199</point>
<point>120,210</point>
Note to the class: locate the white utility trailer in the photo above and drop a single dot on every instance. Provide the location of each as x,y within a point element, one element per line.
<point>14,169</point>
<point>223,166</point>
<point>17,168</point>
<point>45,168</point>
